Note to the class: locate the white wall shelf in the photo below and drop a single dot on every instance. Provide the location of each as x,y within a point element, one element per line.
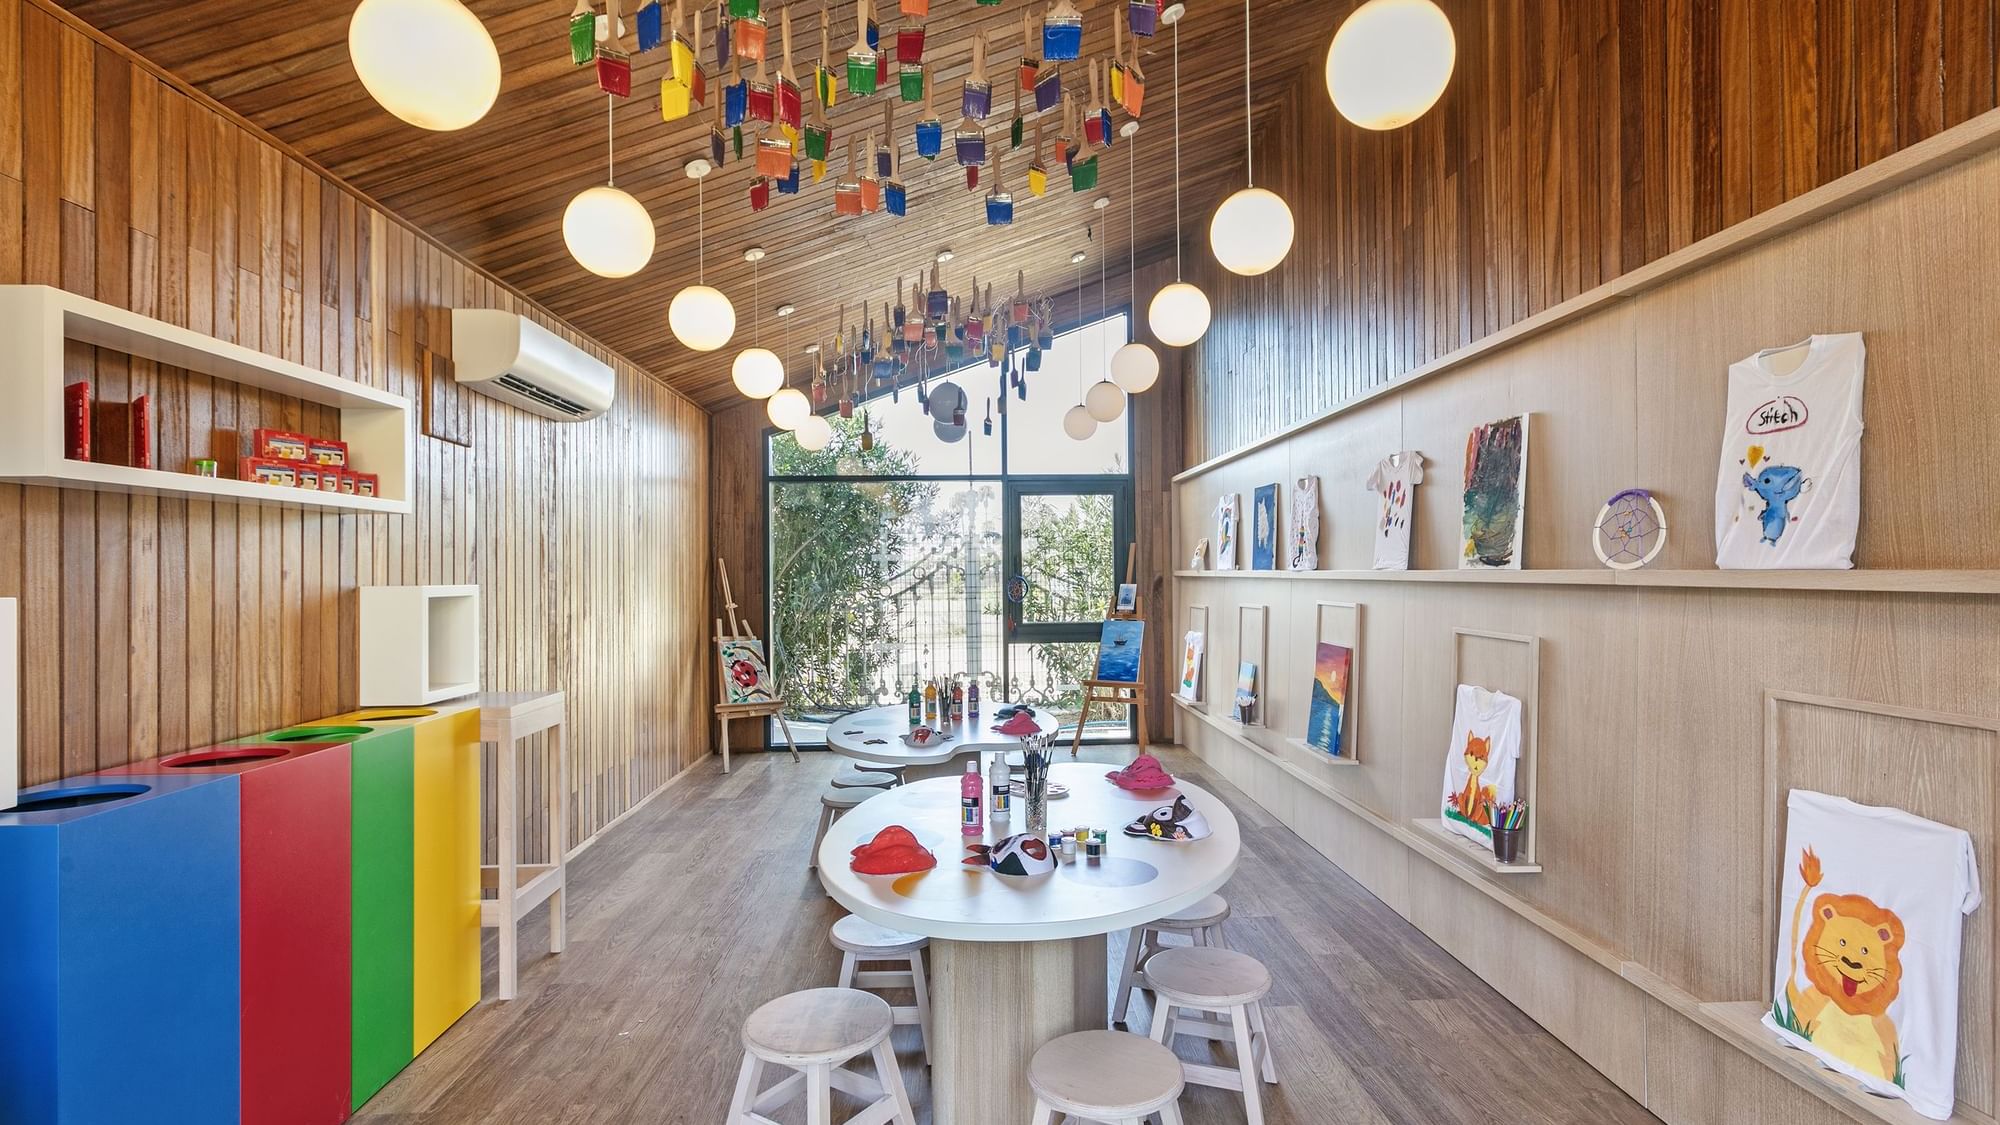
<point>35,320</point>
<point>419,644</point>
<point>1472,853</point>
<point>1971,582</point>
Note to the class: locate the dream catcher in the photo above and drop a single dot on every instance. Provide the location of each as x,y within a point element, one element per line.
<point>1062,32</point>
<point>1631,530</point>
<point>861,58</point>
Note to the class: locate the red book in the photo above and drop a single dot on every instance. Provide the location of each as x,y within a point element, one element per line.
<point>76,421</point>
<point>142,432</point>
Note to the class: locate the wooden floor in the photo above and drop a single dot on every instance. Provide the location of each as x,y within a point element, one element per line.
<point>699,907</point>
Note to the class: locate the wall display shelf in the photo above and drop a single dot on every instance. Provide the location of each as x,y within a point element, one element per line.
<point>1197,622</point>
<point>10,701</point>
<point>1525,687</point>
<point>1322,756</point>
<point>36,320</point>
<point>1972,582</point>
<point>419,644</point>
<point>1257,652</point>
<point>1469,852</point>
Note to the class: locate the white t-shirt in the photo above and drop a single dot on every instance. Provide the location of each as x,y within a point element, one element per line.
<point>1225,533</point>
<point>1486,735</point>
<point>1882,897</point>
<point>1788,492</point>
<point>1394,483</point>
<point>1302,545</point>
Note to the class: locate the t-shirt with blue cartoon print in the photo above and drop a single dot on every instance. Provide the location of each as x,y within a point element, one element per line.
<point>1788,491</point>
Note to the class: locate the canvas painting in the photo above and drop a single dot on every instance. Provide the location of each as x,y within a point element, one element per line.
<point>1128,597</point>
<point>745,676</point>
<point>1264,528</point>
<point>1199,560</point>
<point>1302,544</point>
<point>1225,533</point>
<point>1118,651</point>
<point>1496,484</point>
<point>1332,665</point>
<point>1246,692</point>
<point>1191,653</point>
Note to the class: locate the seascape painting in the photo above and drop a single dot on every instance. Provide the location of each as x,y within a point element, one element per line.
<point>1332,667</point>
<point>1118,651</point>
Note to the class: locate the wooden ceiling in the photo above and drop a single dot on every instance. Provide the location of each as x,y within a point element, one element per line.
<point>495,192</point>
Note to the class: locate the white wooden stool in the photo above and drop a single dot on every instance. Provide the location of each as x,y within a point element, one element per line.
<point>833,802</point>
<point>814,1033</point>
<point>1107,1076</point>
<point>860,940</point>
<point>1201,923</point>
<point>1230,985</point>
<point>891,768</point>
<point>854,777</point>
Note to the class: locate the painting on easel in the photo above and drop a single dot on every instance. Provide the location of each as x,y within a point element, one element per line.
<point>745,676</point>
<point>1118,651</point>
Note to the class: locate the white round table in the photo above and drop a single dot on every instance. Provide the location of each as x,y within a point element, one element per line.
<point>876,735</point>
<point>1016,962</point>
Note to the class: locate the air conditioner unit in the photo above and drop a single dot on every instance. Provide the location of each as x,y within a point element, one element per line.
<point>511,358</point>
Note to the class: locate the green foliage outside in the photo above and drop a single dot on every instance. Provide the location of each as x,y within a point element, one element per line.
<point>1066,548</point>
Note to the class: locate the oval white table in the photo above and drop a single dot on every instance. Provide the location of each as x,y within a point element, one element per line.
<point>876,735</point>
<point>1016,962</point>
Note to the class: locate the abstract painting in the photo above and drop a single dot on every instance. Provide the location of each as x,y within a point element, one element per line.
<point>1118,651</point>
<point>1496,484</point>
<point>1332,665</point>
<point>1191,653</point>
<point>1225,533</point>
<point>1246,691</point>
<point>1264,528</point>
<point>745,676</point>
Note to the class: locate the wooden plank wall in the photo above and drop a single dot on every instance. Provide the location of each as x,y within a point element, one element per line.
<point>150,625</point>
<point>1578,140</point>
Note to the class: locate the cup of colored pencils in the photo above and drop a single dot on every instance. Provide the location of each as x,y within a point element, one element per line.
<point>1508,821</point>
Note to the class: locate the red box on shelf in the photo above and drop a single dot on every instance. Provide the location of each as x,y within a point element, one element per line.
<point>279,445</point>
<point>267,470</point>
<point>76,421</point>
<point>142,432</point>
<point>367,484</point>
<point>348,485</point>
<point>311,478</point>
<point>326,451</point>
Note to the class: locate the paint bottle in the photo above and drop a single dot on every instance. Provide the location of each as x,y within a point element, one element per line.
<point>972,697</point>
<point>969,821</point>
<point>916,702</point>
<point>1001,787</point>
<point>930,702</point>
<point>957,701</point>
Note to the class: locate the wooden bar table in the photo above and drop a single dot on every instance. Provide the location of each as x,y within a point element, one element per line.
<point>1016,962</point>
<point>505,718</point>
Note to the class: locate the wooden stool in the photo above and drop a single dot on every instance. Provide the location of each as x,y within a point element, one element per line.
<point>813,1033</point>
<point>833,802</point>
<point>1229,984</point>
<point>1106,1076</point>
<point>1202,923</point>
<point>853,777</point>
<point>860,940</point>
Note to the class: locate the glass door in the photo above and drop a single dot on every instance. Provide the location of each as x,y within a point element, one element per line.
<point>1065,542</point>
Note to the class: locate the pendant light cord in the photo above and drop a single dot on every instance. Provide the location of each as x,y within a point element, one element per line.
<point>757,298</point>
<point>1178,275</point>
<point>610,162</point>
<point>1249,131</point>
<point>1081,297</point>
<point>1132,213</point>
<point>701,231</point>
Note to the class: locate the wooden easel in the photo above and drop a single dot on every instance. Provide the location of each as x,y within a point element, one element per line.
<point>1109,693</point>
<point>725,712</point>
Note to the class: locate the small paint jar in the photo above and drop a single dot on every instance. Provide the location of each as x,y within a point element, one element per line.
<point>1069,847</point>
<point>1093,848</point>
<point>204,467</point>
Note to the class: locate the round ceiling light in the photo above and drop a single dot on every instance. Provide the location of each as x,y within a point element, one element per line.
<point>608,232</point>
<point>1390,62</point>
<point>429,62</point>
<point>758,372</point>
<point>1251,232</point>
<point>1104,401</point>
<point>1179,314</point>
<point>788,408</point>
<point>813,434</point>
<point>702,318</point>
<point>1135,367</point>
<point>1078,423</point>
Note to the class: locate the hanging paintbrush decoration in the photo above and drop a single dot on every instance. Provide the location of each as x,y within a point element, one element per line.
<point>885,159</point>
<point>818,139</point>
<point>986,427</point>
<point>791,103</point>
<point>1067,146</point>
<point>614,66</point>
<point>871,186</point>
<point>1098,128</point>
<point>1062,32</point>
<point>788,184</point>
<point>652,25</point>
<point>761,102</point>
<point>677,98</point>
<point>1143,16</point>
<point>861,57</point>
<point>718,145</point>
<point>930,130</point>
<point>978,99</point>
<point>582,34</point>
<point>760,193</point>
<point>999,201</point>
<point>1115,64</point>
<point>910,81</point>
<point>1038,173</point>
<point>910,43</point>
<point>969,146</point>
<point>750,37</point>
<point>1133,96</point>
<point>1048,86</point>
<point>774,156</point>
<point>735,95</point>
<point>937,302</point>
<point>745,9</point>
<point>916,9</point>
<point>722,52</point>
<point>847,192</point>
<point>884,369</point>
<point>911,322</point>
<point>1031,60</point>
<point>896,198</point>
<point>825,89</point>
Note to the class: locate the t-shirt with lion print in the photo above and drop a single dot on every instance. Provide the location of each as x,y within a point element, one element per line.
<point>1869,933</point>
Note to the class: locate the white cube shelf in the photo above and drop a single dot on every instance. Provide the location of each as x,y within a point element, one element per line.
<point>35,320</point>
<point>419,644</point>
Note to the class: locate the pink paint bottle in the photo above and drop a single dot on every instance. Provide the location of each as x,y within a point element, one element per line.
<point>970,822</point>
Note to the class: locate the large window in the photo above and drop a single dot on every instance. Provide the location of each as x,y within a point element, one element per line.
<point>891,557</point>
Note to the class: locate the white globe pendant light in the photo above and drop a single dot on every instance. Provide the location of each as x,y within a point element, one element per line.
<point>700,316</point>
<point>1178,314</point>
<point>758,372</point>
<point>788,408</point>
<point>1252,230</point>
<point>1104,401</point>
<point>1390,62</point>
<point>1135,368</point>
<point>429,62</point>
<point>813,434</point>
<point>1078,423</point>
<point>607,231</point>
